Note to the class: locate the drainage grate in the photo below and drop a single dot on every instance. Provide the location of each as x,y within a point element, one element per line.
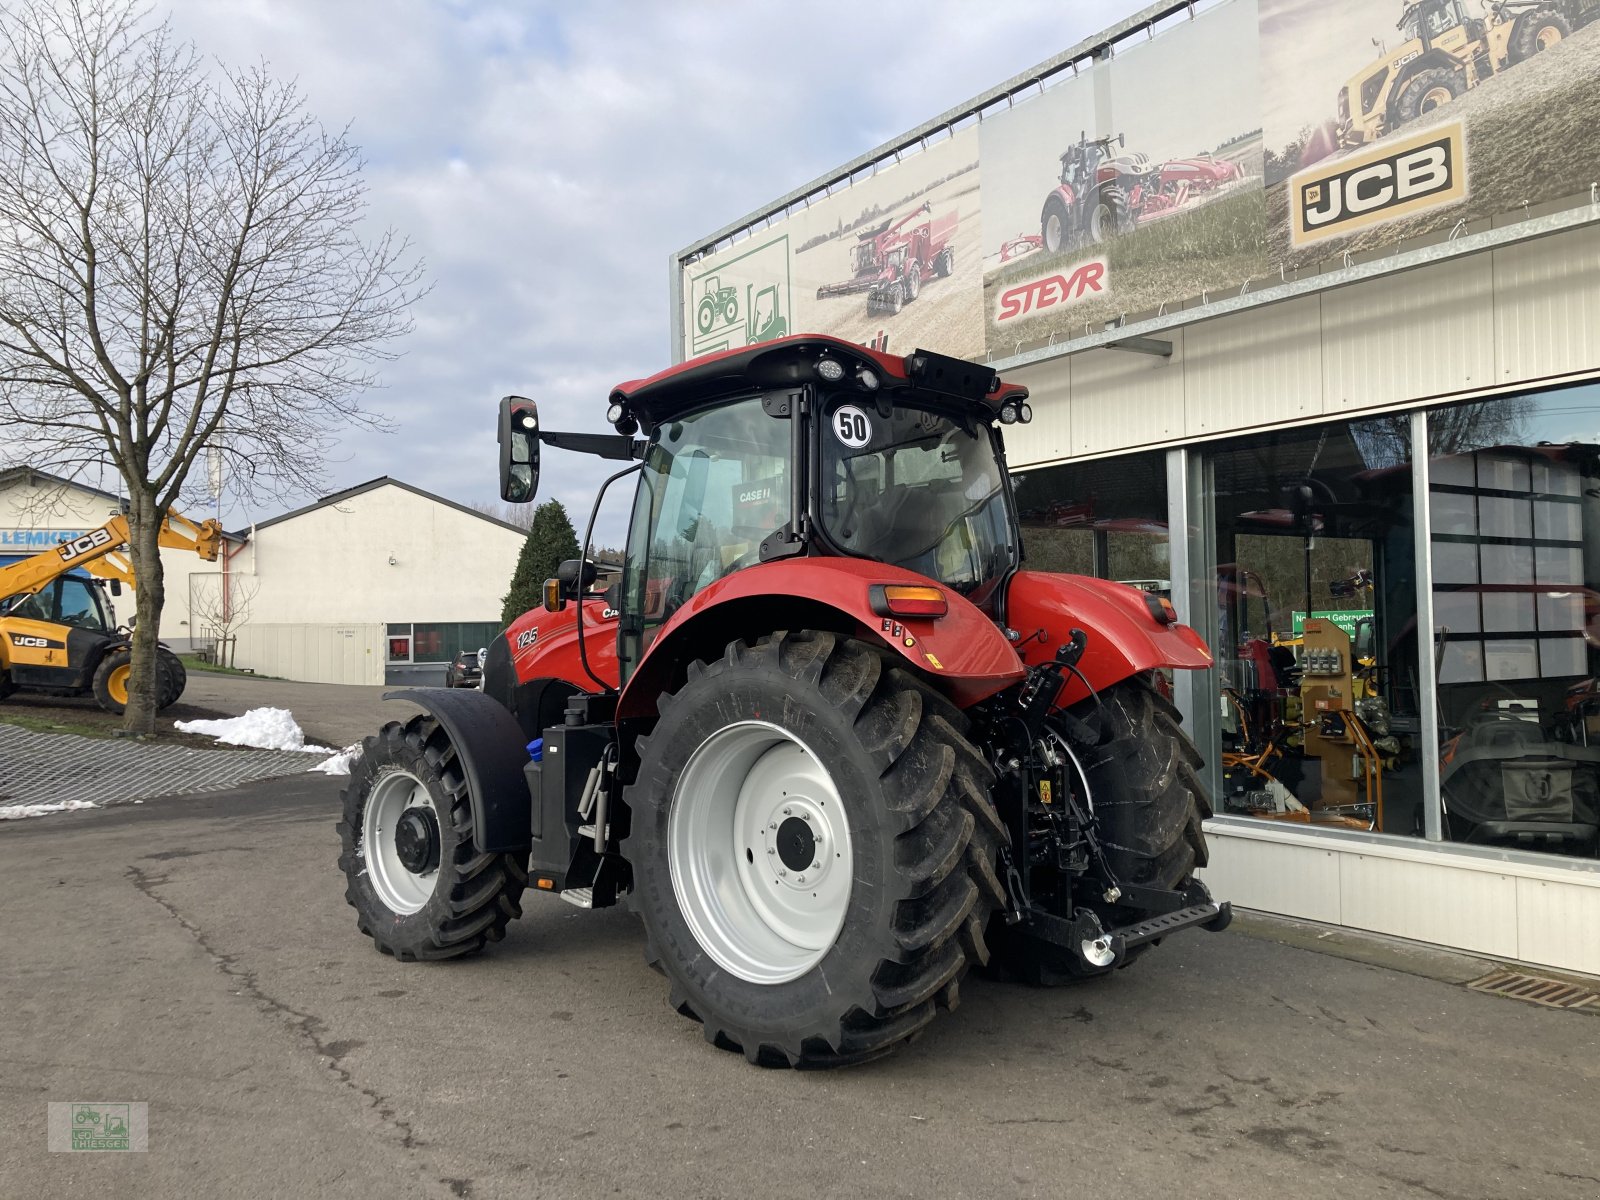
<point>1552,993</point>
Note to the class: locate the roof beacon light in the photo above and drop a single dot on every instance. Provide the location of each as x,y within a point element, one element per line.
<point>907,600</point>
<point>1161,609</point>
<point>831,370</point>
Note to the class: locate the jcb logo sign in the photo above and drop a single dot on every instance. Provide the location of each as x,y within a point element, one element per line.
<point>1397,179</point>
<point>80,546</point>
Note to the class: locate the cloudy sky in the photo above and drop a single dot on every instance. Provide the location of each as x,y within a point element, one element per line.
<point>546,158</point>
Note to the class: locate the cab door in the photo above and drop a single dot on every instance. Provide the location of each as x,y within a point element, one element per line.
<point>54,637</point>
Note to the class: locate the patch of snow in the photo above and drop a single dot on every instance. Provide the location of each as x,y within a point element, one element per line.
<point>15,812</point>
<point>339,764</point>
<point>263,728</point>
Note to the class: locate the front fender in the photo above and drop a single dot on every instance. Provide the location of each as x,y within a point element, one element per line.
<point>493,753</point>
<point>962,653</point>
<point>1124,637</point>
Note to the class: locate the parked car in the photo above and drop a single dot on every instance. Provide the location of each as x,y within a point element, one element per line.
<point>464,670</point>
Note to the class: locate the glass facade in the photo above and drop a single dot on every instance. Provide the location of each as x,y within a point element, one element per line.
<point>437,642</point>
<point>1423,670</point>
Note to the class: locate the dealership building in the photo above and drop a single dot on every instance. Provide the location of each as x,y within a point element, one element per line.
<point>380,583</point>
<point>1337,395</point>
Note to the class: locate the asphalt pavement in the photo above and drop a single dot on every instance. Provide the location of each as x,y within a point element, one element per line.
<point>330,714</point>
<point>197,954</point>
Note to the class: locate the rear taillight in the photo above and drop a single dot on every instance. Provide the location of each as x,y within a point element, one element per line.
<point>1161,609</point>
<point>907,600</point>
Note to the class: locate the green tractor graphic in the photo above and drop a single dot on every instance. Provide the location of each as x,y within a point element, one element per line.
<point>715,301</point>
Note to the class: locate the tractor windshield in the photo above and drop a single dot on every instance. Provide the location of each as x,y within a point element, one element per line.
<point>714,484</point>
<point>918,490</point>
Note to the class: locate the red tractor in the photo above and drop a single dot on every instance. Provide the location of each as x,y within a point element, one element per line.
<point>1105,193</point>
<point>891,262</point>
<point>826,736</point>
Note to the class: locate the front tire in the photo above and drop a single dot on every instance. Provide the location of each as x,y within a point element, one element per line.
<point>1426,91</point>
<point>115,672</point>
<point>420,888</point>
<point>870,764</point>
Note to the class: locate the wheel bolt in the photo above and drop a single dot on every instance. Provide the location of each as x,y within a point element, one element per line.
<point>806,815</point>
<point>770,850</point>
<point>786,812</point>
<point>801,878</point>
<point>782,874</point>
<point>774,825</point>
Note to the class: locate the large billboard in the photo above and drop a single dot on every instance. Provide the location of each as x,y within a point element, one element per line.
<point>1259,137</point>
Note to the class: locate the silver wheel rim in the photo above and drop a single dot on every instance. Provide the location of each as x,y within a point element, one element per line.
<point>403,891</point>
<point>1052,233</point>
<point>748,804</point>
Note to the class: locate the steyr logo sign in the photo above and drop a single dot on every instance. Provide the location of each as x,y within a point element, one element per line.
<point>1394,179</point>
<point>1036,296</point>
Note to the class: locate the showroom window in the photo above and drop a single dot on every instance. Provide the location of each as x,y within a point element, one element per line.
<point>1107,518</point>
<point>1308,599</point>
<point>439,641</point>
<point>1514,501</point>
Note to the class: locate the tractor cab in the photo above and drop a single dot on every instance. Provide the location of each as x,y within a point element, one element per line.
<point>808,447</point>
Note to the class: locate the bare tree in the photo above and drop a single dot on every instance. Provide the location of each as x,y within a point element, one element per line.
<point>219,606</point>
<point>520,515</point>
<point>178,249</point>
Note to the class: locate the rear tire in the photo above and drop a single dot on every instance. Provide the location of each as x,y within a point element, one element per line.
<point>1538,30</point>
<point>1150,802</point>
<point>919,837</point>
<point>410,774</point>
<point>174,679</point>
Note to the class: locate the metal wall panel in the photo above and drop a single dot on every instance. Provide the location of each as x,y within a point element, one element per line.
<point>1121,398</point>
<point>1296,881</point>
<point>1425,333</point>
<point>1429,902</point>
<point>352,653</point>
<point>1547,306</point>
<point>1558,923</point>
<point>1048,437</point>
<point>1254,369</point>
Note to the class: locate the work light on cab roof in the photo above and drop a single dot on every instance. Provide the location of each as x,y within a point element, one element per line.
<point>820,723</point>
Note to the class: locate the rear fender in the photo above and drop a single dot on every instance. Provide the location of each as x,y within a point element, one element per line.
<point>493,753</point>
<point>1125,638</point>
<point>963,653</point>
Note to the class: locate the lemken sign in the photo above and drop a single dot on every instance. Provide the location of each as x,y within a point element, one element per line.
<point>1395,179</point>
<point>32,541</point>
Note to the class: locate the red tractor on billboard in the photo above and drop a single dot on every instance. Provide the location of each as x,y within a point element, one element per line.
<point>826,736</point>
<point>1105,192</point>
<point>892,262</point>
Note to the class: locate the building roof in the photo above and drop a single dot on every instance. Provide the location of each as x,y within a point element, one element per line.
<point>373,485</point>
<point>30,474</point>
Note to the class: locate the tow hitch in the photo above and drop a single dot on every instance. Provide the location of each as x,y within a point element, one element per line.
<point>1099,947</point>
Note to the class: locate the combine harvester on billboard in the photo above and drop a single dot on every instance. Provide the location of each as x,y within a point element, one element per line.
<point>891,261</point>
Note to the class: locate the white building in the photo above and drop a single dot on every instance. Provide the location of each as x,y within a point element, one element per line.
<point>382,582</point>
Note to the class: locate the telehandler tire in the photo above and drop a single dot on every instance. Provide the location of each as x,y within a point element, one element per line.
<point>111,678</point>
<point>420,888</point>
<point>174,679</point>
<point>813,850</point>
<point>1149,800</point>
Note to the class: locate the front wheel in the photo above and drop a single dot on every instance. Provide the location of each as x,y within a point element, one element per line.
<point>115,673</point>
<point>813,850</point>
<point>1427,91</point>
<point>419,886</point>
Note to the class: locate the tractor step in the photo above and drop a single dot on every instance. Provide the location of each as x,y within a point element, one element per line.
<point>587,831</point>
<point>578,897</point>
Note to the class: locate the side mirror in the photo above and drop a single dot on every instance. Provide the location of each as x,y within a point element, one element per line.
<point>576,576</point>
<point>519,449</point>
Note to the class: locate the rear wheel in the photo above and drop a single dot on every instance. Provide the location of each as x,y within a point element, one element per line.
<point>174,677</point>
<point>1538,30</point>
<point>913,284</point>
<point>1143,784</point>
<point>813,851</point>
<point>420,888</point>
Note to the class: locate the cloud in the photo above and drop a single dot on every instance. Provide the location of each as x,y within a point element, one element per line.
<point>546,159</point>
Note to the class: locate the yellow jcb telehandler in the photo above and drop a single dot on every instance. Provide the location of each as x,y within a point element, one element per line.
<point>58,631</point>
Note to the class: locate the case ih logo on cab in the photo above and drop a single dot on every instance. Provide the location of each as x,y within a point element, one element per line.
<point>1050,291</point>
<point>1396,179</point>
